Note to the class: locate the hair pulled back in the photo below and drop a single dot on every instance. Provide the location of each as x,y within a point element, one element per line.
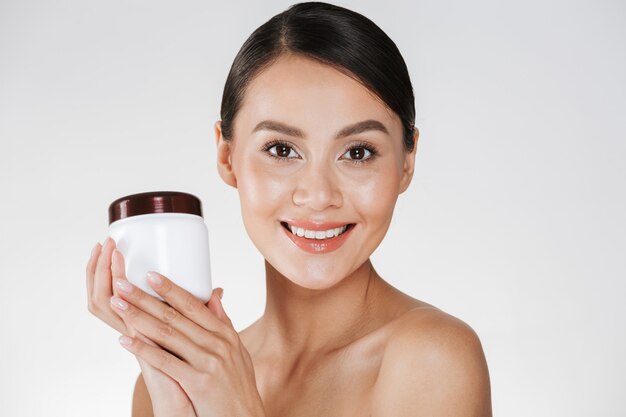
<point>336,36</point>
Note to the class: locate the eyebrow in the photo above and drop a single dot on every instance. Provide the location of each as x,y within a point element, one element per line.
<point>352,129</point>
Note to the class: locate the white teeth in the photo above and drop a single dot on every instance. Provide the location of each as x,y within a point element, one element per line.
<point>317,234</point>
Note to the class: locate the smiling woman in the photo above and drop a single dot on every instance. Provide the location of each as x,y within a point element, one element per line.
<point>309,175</point>
<point>317,136</point>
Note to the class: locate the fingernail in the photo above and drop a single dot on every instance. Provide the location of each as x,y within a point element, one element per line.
<point>106,242</point>
<point>221,294</point>
<point>125,340</point>
<point>154,278</point>
<point>123,285</point>
<point>119,303</point>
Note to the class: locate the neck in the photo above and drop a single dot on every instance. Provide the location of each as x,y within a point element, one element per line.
<point>299,321</point>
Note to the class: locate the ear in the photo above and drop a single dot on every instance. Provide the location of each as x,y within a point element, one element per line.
<point>409,164</point>
<point>224,157</point>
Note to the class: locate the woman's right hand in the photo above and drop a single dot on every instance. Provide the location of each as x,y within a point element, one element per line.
<point>105,265</point>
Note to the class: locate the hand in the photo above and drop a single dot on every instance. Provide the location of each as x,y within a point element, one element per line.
<point>201,349</point>
<point>99,286</point>
<point>104,264</point>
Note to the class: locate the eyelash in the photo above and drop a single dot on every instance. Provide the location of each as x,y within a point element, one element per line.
<point>372,149</point>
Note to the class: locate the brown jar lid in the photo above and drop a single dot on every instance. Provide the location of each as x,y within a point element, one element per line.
<point>154,202</point>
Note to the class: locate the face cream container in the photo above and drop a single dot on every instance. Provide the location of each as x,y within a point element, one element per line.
<point>163,231</point>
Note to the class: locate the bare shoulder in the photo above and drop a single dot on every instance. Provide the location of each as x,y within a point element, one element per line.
<point>142,404</point>
<point>433,365</point>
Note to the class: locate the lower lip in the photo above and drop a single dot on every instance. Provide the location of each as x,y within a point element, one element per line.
<point>321,245</point>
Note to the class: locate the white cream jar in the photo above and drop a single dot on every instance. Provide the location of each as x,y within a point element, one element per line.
<point>163,231</point>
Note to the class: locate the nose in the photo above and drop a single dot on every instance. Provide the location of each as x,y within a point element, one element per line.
<point>317,188</point>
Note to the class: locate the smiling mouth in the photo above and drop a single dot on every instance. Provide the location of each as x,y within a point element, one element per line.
<point>317,235</point>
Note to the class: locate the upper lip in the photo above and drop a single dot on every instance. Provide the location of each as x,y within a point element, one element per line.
<point>315,226</point>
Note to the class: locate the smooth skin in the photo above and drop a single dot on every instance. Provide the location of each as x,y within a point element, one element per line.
<point>335,338</point>
<point>199,367</point>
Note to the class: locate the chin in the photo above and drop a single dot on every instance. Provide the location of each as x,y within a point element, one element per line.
<point>312,276</point>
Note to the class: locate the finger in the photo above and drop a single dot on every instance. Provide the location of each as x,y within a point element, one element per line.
<point>135,334</point>
<point>218,291</point>
<point>118,271</point>
<point>157,309</point>
<point>102,289</point>
<point>162,333</point>
<point>102,281</point>
<point>186,303</point>
<point>159,358</point>
<point>91,268</point>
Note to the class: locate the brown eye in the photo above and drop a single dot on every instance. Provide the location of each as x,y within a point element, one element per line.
<point>283,151</point>
<point>358,153</point>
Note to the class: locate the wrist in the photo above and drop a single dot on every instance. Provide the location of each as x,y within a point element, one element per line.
<point>180,412</point>
<point>260,411</point>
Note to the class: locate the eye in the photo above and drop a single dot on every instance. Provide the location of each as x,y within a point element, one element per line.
<point>280,150</point>
<point>360,153</point>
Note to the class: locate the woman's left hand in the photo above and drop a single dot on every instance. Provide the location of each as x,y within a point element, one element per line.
<point>201,350</point>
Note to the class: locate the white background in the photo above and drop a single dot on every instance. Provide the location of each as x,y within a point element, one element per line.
<point>514,221</point>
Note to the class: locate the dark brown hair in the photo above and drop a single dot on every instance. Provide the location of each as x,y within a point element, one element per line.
<point>336,36</point>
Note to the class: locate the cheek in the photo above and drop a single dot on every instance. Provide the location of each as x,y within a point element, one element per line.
<point>375,196</point>
<point>261,189</point>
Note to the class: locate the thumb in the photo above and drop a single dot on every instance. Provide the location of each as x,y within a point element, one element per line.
<point>215,305</point>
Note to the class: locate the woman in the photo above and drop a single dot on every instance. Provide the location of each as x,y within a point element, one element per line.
<point>317,135</point>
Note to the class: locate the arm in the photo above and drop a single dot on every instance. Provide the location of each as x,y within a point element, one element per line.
<point>433,366</point>
<point>142,404</point>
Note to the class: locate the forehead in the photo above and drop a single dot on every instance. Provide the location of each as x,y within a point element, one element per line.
<point>311,95</point>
